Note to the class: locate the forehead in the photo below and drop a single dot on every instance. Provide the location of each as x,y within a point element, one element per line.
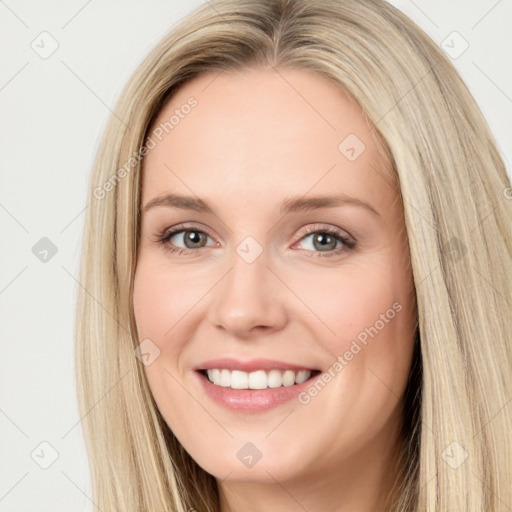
<point>259,129</point>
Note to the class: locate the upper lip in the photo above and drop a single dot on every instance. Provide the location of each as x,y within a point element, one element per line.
<point>250,365</point>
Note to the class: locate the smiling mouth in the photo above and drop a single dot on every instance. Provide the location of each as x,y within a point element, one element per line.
<point>259,379</point>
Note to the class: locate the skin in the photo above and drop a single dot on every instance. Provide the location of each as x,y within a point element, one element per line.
<point>256,138</point>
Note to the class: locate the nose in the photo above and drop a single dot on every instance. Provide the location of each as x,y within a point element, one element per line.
<point>249,300</point>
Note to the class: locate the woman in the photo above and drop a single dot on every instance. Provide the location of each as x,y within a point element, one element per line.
<point>241,369</point>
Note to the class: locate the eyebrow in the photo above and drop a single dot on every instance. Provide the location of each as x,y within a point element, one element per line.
<point>293,204</point>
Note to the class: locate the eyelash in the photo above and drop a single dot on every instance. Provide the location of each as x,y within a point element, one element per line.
<point>348,244</point>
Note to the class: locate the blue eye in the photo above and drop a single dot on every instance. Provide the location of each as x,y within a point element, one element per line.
<point>322,237</point>
<point>325,237</point>
<point>194,237</point>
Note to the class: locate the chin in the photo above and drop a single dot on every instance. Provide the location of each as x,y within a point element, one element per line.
<point>265,470</point>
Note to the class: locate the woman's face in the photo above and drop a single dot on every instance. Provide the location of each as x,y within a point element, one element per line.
<point>290,255</point>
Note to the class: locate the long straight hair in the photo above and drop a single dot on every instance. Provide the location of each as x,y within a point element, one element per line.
<point>457,209</point>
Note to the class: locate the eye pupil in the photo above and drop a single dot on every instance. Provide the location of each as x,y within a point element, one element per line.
<point>325,240</point>
<point>195,237</point>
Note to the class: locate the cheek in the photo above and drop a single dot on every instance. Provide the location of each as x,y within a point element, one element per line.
<point>349,300</point>
<point>158,309</point>
<point>368,317</point>
<point>161,299</point>
<point>166,302</point>
<point>153,302</point>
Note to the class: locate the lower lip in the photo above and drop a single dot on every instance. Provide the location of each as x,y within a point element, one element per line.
<point>252,400</point>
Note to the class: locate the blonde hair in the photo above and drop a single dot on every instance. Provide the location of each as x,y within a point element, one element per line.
<point>453,184</point>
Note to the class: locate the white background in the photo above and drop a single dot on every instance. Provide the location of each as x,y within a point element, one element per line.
<point>53,112</point>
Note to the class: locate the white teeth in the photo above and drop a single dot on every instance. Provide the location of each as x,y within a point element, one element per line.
<point>288,378</point>
<point>225,378</point>
<point>302,376</point>
<point>259,379</point>
<point>274,379</point>
<point>239,380</point>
